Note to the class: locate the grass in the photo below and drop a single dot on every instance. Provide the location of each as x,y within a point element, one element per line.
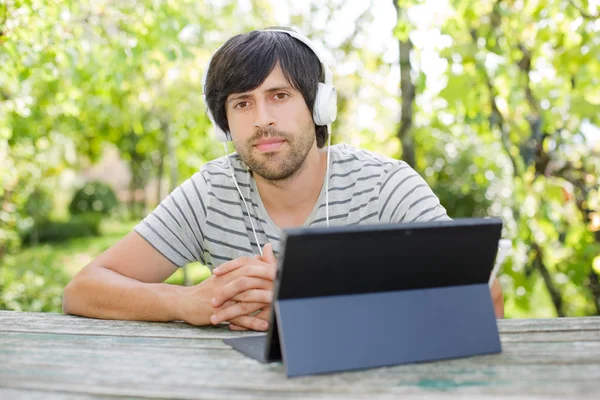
<point>34,278</point>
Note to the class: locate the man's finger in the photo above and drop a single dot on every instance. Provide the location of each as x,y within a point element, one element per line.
<point>233,265</point>
<point>250,322</point>
<point>262,270</point>
<point>268,255</point>
<point>264,314</point>
<point>235,327</point>
<point>238,286</point>
<point>255,296</point>
<point>234,311</point>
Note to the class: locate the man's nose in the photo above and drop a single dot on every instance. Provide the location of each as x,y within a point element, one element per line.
<point>264,118</point>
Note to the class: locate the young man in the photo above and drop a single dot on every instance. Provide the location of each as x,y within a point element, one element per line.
<point>263,92</point>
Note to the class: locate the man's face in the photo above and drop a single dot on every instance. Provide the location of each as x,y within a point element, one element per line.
<point>271,127</point>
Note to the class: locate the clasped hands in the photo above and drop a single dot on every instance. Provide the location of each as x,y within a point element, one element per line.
<point>243,291</point>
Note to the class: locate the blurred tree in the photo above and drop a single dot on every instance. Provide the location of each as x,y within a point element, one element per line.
<point>506,139</point>
<point>33,146</point>
<point>78,74</point>
<point>495,98</point>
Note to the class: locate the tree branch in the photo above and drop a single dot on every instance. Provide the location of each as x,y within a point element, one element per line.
<point>525,66</point>
<point>583,13</point>
<point>496,117</point>
<point>555,296</point>
<point>358,23</point>
<point>594,287</point>
<point>569,173</point>
<point>408,90</point>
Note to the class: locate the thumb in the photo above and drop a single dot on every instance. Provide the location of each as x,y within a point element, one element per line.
<point>268,255</point>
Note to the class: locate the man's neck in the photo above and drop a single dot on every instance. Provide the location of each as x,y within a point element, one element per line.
<point>290,202</point>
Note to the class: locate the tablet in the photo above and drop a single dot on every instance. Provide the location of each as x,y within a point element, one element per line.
<point>360,259</point>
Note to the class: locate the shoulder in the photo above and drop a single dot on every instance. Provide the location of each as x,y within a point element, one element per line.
<point>344,153</point>
<point>218,171</point>
<point>388,171</point>
<point>212,175</point>
<point>346,158</point>
<point>215,167</point>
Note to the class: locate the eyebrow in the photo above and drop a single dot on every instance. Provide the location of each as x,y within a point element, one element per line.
<point>242,96</point>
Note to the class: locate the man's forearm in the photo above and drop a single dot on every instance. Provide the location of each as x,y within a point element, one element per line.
<point>101,293</point>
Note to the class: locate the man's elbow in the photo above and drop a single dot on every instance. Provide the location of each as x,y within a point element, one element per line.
<point>70,297</point>
<point>74,294</point>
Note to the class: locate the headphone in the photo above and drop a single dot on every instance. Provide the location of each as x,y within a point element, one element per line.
<point>324,113</point>
<point>325,107</point>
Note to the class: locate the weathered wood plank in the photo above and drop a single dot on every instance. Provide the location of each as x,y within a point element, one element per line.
<point>57,340</point>
<point>69,324</point>
<point>55,354</point>
<point>100,393</point>
<point>59,323</point>
<point>430,383</point>
<point>531,366</point>
<point>15,346</point>
<point>551,336</point>
<point>26,394</point>
<point>549,324</point>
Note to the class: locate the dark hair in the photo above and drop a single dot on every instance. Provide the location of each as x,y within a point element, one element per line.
<point>244,62</point>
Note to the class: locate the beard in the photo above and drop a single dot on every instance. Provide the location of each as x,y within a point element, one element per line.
<point>282,164</point>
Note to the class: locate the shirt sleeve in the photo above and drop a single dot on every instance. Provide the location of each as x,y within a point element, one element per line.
<point>175,227</point>
<point>404,196</point>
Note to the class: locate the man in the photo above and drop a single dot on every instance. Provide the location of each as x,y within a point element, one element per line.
<point>263,92</point>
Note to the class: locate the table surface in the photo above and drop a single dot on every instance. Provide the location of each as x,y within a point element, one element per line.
<point>51,356</point>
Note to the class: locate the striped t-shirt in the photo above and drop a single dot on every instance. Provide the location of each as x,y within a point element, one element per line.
<point>205,220</point>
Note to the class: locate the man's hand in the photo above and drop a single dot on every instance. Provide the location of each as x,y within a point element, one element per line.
<point>498,298</point>
<point>244,291</point>
<point>199,302</point>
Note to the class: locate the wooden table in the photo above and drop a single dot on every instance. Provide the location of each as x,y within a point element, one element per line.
<point>50,356</point>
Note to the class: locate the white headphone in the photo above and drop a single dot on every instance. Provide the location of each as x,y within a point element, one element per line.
<point>325,107</point>
<point>324,113</point>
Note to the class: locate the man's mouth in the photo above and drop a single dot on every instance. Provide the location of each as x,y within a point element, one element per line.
<point>269,144</point>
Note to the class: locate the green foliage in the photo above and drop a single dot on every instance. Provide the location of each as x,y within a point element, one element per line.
<point>39,205</point>
<point>79,225</point>
<point>503,138</point>
<point>196,274</point>
<point>34,278</point>
<point>37,288</point>
<point>497,125</point>
<point>94,197</point>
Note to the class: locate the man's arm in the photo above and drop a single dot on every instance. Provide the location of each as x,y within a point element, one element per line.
<point>125,282</point>
<point>498,298</point>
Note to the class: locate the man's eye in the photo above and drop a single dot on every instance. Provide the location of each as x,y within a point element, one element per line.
<point>281,96</point>
<point>241,104</point>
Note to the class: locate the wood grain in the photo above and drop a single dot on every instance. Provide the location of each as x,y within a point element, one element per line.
<point>57,356</point>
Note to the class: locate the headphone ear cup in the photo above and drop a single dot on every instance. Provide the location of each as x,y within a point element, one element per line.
<point>325,108</point>
<point>221,135</point>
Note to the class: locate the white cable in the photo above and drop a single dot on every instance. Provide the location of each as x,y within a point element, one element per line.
<point>327,175</point>
<point>243,199</point>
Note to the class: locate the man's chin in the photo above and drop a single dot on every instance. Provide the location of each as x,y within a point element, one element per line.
<point>273,173</point>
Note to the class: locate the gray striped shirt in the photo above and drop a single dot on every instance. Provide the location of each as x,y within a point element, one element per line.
<point>205,220</point>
